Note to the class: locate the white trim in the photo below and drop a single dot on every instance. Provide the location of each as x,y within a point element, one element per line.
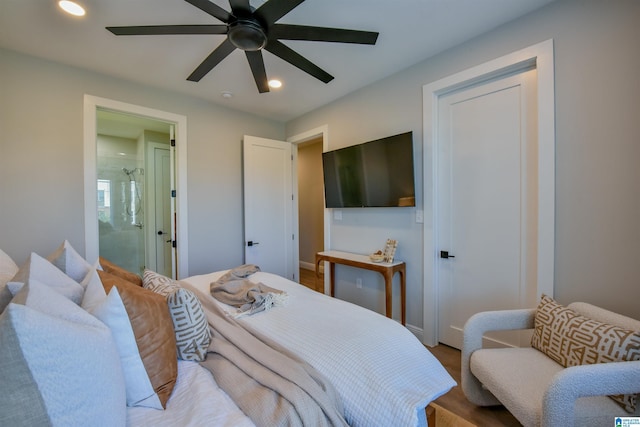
<point>91,104</point>
<point>539,56</point>
<point>295,140</point>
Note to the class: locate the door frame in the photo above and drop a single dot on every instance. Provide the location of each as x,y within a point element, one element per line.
<point>151,236</point>
<point>90,107</point>
<point>540,57</point>
<point>321,131</point>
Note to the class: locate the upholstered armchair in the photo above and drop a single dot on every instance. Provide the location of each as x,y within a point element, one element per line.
<point>534,384</point>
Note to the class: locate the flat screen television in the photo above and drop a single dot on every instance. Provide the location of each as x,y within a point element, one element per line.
<point>373,174</point>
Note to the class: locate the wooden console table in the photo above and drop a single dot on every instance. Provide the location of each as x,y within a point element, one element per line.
<point>387,269</point>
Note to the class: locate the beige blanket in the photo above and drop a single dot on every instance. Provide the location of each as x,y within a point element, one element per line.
<point>269,384</point>
<point>234,289</point>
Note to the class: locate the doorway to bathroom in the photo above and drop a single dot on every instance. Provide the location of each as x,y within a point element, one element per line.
<point>134,173</point>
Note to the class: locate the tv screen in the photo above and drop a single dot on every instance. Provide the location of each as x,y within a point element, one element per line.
<point>373,174</point>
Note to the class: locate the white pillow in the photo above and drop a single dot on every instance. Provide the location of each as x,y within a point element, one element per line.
<point>67,259</point>
<point>58,366</point>
<point>8,269</point>
<point>43,271</point>
<point>110,309</point>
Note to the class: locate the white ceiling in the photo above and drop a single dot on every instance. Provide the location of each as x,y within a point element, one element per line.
<point>410,31</point>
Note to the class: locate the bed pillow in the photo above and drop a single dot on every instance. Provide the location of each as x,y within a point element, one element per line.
<point>67,259</point>
<point>116,270</point>
<point>59,365</point>
<point>189,321</point>
<point>111,310</point>
<point>45,272</point>
<point>153,328</point>
<point>572,339</point>
<point>8,269</point>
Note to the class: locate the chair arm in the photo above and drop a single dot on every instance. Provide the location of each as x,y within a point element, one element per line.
<point>601,379</point>
<point>474,329</point>
<point>500,320</point>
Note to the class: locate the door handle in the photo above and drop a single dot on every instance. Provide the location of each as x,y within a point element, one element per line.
<point>446,255</point>
<point>252,243</point>
<point>160,233</point>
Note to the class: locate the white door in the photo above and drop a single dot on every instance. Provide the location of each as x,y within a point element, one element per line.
<point>162,249</point>
<point>268,205</point>
<point>487,203</point>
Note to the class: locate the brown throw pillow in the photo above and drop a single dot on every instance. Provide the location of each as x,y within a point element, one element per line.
<point>572,339</point>
<point>116,270</point>
<point>153,329</point>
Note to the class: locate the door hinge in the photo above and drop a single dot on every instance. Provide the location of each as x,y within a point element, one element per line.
<point>173,142</point>
<point>293,237</point>
<point>174,243</point>
<point>173,193</point>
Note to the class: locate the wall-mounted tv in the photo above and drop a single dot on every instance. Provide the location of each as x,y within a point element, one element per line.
<point>373,174</point>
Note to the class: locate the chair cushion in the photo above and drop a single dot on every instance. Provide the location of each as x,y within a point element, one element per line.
<point>518,377</point>
<point>572,340</point>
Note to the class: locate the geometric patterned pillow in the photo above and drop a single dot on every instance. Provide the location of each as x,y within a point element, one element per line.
<point>572,339</point>
<point>189,321</point>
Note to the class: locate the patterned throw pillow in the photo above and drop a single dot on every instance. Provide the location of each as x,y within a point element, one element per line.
<point>572,339</point>
<point>189,321</point>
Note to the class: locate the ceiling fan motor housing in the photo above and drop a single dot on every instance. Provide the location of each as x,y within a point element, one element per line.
<point>247,34</point>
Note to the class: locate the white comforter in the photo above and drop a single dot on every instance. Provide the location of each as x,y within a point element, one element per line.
<point>383,374</point>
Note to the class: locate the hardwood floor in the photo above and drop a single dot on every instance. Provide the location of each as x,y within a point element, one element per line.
<point>308,279</point>
<point>456,402</point>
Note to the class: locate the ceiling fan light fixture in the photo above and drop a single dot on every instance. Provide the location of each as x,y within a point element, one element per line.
<point>247,34</point>
<point>71,8</point>
<point>275,84</point>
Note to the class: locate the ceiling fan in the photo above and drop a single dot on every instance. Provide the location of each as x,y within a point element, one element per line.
<point>252,30</point>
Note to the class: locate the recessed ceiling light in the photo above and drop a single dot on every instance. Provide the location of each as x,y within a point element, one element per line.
<point>71,7</point>
<point>226,94</point>
<point>275,83</point>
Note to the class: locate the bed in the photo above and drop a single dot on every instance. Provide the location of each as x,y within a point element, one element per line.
<point>381,373</point>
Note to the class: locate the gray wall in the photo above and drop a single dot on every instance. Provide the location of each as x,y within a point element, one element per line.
<point>597,151</point>
<point>41,160</point>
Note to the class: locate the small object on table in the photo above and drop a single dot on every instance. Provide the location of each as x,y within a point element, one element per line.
<point>376,256</point>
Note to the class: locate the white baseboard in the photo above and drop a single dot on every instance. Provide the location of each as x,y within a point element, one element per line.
<point>310,266</point>
<point>418,332</point>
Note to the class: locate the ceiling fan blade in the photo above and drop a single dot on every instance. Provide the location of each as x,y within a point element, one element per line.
<point>297,60</point>
<point>304,32</point>
<point>273,10</point>
<point>212,9</point>
<point>257,68</point>
<point>168,29</point>
<point>212,60</point>
<point>240,8</point>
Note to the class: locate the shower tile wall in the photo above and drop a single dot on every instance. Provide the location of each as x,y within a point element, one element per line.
<point>120,202</point>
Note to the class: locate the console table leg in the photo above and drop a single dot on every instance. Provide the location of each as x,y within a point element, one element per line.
<point>332,275</point>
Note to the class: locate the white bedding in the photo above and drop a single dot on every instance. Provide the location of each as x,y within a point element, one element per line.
<point>196,401</point>
<point>383,374</point>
